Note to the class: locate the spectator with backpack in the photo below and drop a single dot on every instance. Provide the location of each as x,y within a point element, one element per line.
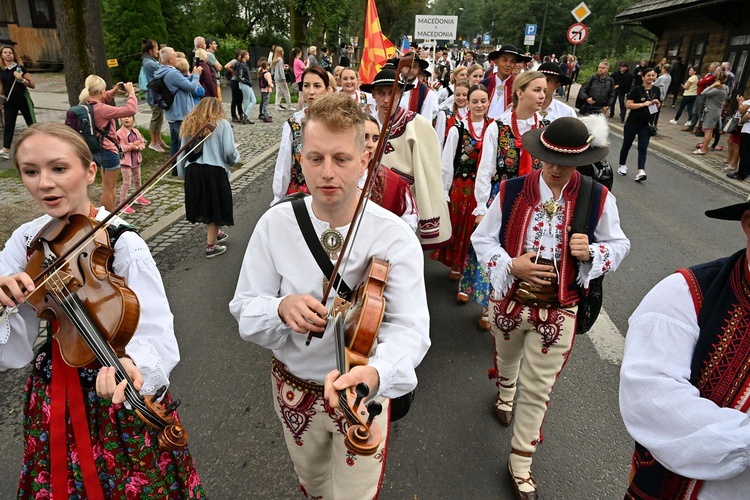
<point>266,86</point>
<point>104,112</point>
<point>15,81</point>
<point>180,90</point>
<point>149,53</point>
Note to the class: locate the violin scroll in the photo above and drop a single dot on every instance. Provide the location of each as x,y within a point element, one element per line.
<point>172,435</point>
<point>362,437</point>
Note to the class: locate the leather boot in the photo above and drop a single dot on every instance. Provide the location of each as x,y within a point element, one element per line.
<point>519,467</point>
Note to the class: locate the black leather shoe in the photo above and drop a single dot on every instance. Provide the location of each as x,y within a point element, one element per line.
<point>736,176</point>
<point>517,481</point>
<point>504,416</point>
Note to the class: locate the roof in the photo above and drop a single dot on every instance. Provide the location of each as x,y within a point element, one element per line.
<point>648,9</point>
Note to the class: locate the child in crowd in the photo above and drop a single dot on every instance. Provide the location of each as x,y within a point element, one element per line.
<point>183,66</point>
<point>132,143</point>
<point>265,82</point>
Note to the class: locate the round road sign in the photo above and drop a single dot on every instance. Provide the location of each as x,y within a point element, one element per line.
<point>577,33</point>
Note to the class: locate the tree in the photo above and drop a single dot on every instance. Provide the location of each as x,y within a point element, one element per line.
<point>79,24</point>
<point>126,22</point>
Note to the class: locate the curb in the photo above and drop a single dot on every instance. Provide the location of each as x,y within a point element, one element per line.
<point>171,219</point>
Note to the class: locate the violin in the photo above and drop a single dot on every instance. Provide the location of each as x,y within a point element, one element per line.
<point>356,322</point>
<point>94,312</point>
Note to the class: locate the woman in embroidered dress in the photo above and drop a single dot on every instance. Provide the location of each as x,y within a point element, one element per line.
<point>287,177</point>
<point>463,149</point>
<point>457,75</point>
<point>350,86</point>
<point>109,453</point>
<point>503,158</point>
<point>448,117</point>
<point>476,74</point>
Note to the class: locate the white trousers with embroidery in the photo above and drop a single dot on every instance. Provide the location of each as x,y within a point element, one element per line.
<point>531,348</point>
<point>314,436</point>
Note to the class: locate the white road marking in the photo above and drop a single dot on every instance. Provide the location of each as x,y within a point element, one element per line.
<point>608,341</point>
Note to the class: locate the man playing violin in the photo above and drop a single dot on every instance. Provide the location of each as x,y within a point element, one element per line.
<point>278,302</point>
<point>98,448</point>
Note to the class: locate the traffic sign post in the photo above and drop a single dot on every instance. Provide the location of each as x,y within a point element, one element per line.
<point>577,33</point>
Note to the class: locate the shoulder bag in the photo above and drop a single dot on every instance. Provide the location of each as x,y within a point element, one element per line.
<point>591,301</point>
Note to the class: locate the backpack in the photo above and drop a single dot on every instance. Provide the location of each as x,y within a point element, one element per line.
<point>143,80</point>
<point>81,119</point>
<point>262,82</point>
<point>159,93</point>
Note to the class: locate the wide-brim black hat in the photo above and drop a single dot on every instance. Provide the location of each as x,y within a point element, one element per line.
<point>730,212</point>
<point>508,49</point>
<point>385,78</point>
<point>566,142</point>
<point>552,69</point>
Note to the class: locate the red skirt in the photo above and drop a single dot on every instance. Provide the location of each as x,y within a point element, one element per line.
<point>462,204</point>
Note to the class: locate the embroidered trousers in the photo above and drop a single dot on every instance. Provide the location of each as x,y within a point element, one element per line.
<point>314,436</point>
<point>531,348</point>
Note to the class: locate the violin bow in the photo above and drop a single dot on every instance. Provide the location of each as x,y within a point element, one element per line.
<point>402,73</point>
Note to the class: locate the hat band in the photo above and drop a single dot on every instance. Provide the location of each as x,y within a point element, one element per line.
<point>563,149</point>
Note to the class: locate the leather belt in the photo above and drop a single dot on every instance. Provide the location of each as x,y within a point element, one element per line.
<point>544,296</point>
<point>301,385</point>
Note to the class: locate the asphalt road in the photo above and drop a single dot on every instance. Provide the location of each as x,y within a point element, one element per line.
<point>450,445</point>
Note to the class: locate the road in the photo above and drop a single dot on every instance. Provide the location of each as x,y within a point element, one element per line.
<point>449,446</point>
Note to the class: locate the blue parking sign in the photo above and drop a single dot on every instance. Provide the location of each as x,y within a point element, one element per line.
<point>486,39</point>
<point>530,30</point>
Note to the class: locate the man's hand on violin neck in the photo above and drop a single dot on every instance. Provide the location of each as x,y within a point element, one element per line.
<point>336,382</point>
<point>11,288</point>
<point>303,313</point>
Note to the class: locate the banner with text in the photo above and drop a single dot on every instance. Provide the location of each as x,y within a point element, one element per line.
<point>435,27</point>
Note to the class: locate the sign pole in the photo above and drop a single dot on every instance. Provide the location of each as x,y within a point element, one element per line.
<point>541,37</point>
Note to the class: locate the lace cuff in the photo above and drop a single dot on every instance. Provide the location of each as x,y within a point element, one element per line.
<point>498,269</point>
<point>148,361</point>
<point>599,265</point>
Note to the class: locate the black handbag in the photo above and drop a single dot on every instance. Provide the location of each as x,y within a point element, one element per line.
<point>399,406</point>
<point>591,303</point>
<point>600,171</point>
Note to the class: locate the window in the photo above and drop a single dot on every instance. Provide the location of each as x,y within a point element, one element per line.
<point>697,50</point>
<point>738,50</point>
<point>42,13</point>
<point>7,12</point>
<point>673,47</point>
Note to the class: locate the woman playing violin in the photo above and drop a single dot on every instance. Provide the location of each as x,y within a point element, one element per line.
<point>278,301</point>
<point>109,453</point>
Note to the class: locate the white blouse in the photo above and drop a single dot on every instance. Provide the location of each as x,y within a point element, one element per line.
<point>153,347</point>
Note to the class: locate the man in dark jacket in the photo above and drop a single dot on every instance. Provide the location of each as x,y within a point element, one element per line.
<point>598,93</point>
<point>678,77</point>
<point>623,82</point>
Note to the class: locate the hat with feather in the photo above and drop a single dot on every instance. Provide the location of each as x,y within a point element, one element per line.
<point>570,142</point>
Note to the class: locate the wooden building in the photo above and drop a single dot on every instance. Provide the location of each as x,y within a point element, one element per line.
<point>700,31</point>
<point>29,25</point>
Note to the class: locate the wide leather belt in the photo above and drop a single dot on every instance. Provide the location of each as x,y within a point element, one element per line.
<point>301,385</point>
<point>544,296</point>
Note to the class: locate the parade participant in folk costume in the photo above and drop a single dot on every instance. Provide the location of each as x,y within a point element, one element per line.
<point>413,152</point>
<point>475,75</point>
<point>684,379</point>
<point>80,440</point>
<point>288,177</point>
<point>457,75</point>
<point>277,302</point>
<point>524,244</point>
<point>421,99</point>
<point>390,190</point>
<point>350,86</point>
<point>447,117</point>
<point>500,85</point>
<point>461,154</point>
<point>551,108</point>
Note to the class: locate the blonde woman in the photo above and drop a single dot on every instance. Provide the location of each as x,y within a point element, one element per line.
<point>208,195</point>
<point>105,112</point>
<point>15,82</point>
<point>350,86</point>
<point>279,78</point>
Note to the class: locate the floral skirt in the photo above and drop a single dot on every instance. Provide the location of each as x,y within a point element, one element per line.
<point>297,187</point>
<point>474,282</point>
<point>462,205</point>
<point>128,460</point>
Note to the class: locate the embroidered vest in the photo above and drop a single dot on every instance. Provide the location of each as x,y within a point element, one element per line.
<point>720,366</point>
<point>468,151</point>
<point>518,197</point>
<point>297,178</point>
<point>390,191</point>
<point>417,97</point>
<point>491,84</point>
<point>508,155</point>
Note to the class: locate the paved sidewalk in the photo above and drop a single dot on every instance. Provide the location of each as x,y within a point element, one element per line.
<point>257,143</point>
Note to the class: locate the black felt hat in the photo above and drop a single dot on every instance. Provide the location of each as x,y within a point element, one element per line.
<point>568,142</point>
<point>385,78</point>
<point>508,49</point>
<point>393,63</point>
<point>552,69</point>
<point>730,212</point>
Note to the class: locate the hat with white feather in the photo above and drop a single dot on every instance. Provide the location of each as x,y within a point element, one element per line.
<point>570,142</point>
